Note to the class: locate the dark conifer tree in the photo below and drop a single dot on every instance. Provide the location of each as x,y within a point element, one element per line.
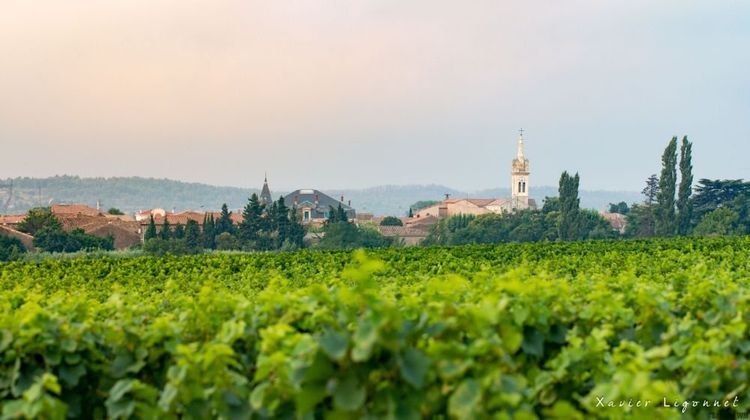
<point>342,216</point>
<point>166,231</point>
<point>568,229</point>
<point>151,230</point>
<point>209,232</point>
<point>251,224</point>
<point>224,224</point>
<point>296,230</point>
<point>179,231</point>
<point>193,235</point>
<point>282,220</point>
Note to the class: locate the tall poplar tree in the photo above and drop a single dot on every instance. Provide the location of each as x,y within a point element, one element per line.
<point>684,204</point>
<point>666,221</point>
<point>568,229</point>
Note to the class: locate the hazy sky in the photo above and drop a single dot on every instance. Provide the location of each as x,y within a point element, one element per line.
<point>350,93</point>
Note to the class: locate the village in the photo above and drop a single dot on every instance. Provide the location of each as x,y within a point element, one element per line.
<point>313,208</point>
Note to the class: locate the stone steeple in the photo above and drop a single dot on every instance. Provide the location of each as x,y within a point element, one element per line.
<point>265,193</point>
<point>520,177</point>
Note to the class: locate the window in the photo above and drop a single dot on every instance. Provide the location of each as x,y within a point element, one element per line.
<point>306,215</point>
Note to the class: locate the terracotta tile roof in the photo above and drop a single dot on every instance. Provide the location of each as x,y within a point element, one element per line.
<point>60,209</point>
<point>12,219</point>
<point>616,220</point>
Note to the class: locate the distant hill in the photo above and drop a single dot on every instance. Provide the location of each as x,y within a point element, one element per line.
<point>131,194</point>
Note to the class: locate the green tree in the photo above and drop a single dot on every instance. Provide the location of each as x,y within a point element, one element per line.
<point>252,223</point>
<point>720,222</point>
<point>551,204</point>
<point>115,212</point>
<point>666,222</point>
<point>651,190</point>
<point>166,231</point>
<point>37,219</point>
<point>179,231</point>
<point>296,230</point>
<point>410,214</point>
<point>282,221</point>
<point>11,249</point>
<point>193,235</point>
<point>150,230</point>
<point>224,224</point>
<point>569,207</point>
<point>341,214</point>
<point>712,194</point>
<point>333,216</point>
<point>209,231</point>
<point>620,208</point>
<point>391,221</point>
<point>684,204</point>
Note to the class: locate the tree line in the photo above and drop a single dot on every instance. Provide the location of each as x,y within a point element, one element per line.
<point>262,228</point>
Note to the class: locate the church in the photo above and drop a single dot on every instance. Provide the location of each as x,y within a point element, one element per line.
<point>519,199</point>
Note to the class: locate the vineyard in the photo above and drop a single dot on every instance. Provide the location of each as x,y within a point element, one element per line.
<point>561,330</point>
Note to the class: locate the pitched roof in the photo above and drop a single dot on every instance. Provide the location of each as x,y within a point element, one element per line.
<point>60,209</point>
<point>324,201</point>
<point>12,219</point>
<point>265,193</point>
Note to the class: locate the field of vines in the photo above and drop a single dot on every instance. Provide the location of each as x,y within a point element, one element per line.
<point>627,329</point>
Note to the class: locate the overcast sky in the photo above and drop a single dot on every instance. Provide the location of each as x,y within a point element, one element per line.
<point>342,93</point>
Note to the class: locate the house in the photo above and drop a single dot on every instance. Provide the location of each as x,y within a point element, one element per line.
<point>314,206</point>
<point>618,221</point>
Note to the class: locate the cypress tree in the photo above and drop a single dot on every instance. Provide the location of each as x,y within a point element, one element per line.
<point>411,213</point>
<point>282,220</point>
<point>666,222</point>
<point>684,204</point>
<point>209,232</point>
<point>179,231</point>
<point>193,234</point>
<point>342,216</point>
<point>568,228</point>
<point>166,232</point>
<point>225,221</point>
<point>296,230</point>
<point>151,230</point>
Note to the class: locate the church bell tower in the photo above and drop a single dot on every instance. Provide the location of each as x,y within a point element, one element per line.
<point>520,177</point>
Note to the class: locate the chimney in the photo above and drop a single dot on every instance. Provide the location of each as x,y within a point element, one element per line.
<point>342,198</point>
<point>350,203</point>
<point>296,199</point>
<point>317,199</point>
